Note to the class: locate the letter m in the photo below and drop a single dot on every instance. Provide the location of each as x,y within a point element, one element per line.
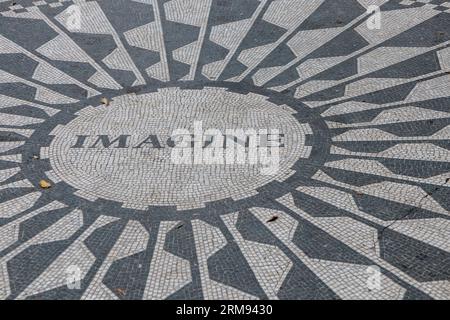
<point>121,141</point>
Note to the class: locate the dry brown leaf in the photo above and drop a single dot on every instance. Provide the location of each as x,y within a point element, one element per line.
<point>44,184</point>
<point>105,101</point>
<point>120,291</point>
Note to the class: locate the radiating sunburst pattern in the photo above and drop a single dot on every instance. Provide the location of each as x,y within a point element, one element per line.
<point>360,207</point>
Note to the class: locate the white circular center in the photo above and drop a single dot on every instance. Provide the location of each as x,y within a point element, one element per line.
<point>122,152</point>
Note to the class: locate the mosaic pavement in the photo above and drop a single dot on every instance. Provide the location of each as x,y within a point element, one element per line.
<point>362,193</point>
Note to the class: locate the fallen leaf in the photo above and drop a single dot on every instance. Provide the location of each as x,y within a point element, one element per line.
<point>272,219</point>
<point>105,101</point>
<point>120,291</point>
<point>44,184</point>
<point>439,36</point>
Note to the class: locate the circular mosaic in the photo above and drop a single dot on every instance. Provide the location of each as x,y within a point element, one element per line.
<point>211,149</point>
<point>125,151</point>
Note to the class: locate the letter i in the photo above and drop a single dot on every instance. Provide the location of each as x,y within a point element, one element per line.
<point>80,142</point>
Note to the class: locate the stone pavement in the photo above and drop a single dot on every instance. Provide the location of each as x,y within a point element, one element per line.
<point>90,92</point>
